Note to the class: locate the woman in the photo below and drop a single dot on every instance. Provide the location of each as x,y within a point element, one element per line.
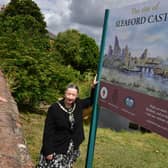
<point>63,131</point>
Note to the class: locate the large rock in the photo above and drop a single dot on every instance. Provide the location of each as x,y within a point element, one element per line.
<point>13,150</point>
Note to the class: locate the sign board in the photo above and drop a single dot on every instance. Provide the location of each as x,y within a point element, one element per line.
<point>134,80</point>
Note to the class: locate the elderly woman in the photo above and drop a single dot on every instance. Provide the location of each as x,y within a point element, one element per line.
<point>63,131</point>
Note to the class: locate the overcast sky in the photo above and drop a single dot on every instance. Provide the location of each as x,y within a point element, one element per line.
<point>83,15</point>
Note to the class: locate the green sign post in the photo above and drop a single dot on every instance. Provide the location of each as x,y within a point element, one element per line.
<point>94,120</point>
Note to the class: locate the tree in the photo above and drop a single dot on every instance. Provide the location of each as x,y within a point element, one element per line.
<point>89,52</point>
<point>67,43</point>
<point>35,71</point>
<point>25,8</point>
<point>32,71</point>
<point>30,65</point>
<point>77,50</point>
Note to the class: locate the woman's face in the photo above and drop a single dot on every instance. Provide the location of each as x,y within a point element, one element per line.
<point>70,96</point>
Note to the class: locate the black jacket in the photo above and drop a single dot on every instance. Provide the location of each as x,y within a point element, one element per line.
<point>57,132</point>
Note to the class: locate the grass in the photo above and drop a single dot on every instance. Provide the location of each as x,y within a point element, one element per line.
<point>112,149</point>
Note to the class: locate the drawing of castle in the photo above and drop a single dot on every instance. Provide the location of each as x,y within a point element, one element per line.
<point>123,60</point>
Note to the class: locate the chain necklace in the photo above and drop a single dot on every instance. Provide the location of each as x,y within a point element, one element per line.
<point>70,112</point>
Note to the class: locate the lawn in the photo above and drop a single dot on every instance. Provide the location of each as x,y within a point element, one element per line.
<point>112,150</point>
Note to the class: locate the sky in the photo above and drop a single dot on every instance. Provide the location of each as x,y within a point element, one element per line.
<point>86,16</point>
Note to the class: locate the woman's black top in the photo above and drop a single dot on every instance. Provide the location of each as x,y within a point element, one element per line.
<point>57,130</point>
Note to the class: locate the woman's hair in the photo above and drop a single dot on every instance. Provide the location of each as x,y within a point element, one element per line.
<point>71,85</point>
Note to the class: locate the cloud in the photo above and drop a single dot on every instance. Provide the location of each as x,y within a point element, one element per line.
<point>84,15</point>
<point>3,2</point>
<point>87,12</point>
<point>56,14</point>
<point>91,12</point>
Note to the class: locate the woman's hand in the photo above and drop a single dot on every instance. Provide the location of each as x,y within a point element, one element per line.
<point>49,157</point>
<point>94,83</point>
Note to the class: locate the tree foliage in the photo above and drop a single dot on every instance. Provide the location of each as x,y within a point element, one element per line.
<point>32,73</point>
<point>77,50</point>
<point>36,69</point>
<point>26,8</point>
<point>89,53</point>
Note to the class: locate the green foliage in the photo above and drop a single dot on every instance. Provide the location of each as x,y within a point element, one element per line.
<point>31,71</point>
<point>89,53</point>
<point>28,61</point>
<point>21,23</point>
<point>26,8</point>
<point>36,67</point>
<point>77,50</point>
<point>67,43</point>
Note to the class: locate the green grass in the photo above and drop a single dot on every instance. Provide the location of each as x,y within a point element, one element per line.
<point>112,150</point>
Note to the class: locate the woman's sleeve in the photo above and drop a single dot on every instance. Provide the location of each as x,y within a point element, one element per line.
<point>87,102</point>
<point>49,130</point>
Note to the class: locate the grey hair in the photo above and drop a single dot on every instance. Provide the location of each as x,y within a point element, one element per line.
<point>71,85</point>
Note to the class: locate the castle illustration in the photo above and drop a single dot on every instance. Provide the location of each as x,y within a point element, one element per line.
<point>123,60</point>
